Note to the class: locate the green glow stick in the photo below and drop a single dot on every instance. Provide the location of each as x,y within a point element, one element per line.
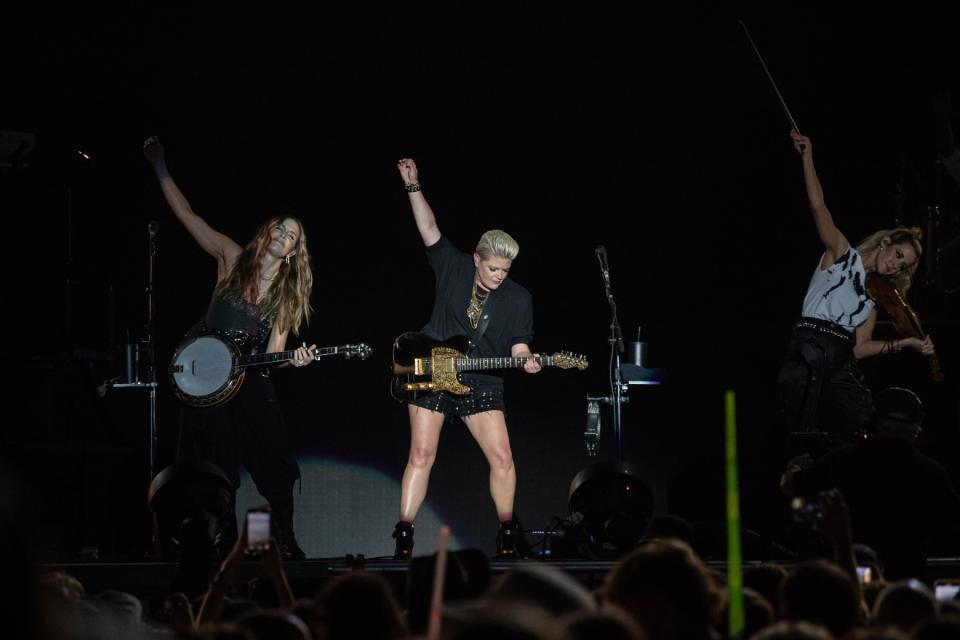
<point>734,556</point>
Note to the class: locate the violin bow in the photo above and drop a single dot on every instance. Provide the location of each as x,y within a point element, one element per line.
<point>783,103</point>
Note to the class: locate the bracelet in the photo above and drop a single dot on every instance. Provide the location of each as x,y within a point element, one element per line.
<point>412,187</point>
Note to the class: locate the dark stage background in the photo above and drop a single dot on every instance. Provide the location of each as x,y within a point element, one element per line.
<point>654,134</point>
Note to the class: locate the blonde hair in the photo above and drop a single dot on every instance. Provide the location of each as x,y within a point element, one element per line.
<point>900,235</point>
<point>497,243</point>
<point>287,303</point>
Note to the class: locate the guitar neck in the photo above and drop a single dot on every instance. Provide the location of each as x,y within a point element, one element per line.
<point>261,359</point>
<point>480,364</point>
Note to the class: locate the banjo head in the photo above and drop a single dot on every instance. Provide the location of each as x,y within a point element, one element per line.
<point>203,368</point>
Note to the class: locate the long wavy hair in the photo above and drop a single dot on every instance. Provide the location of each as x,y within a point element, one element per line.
<point>900,235</point>
<point>287,302</point>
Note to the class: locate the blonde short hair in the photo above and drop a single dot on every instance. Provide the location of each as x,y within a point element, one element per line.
<point>497,243</point>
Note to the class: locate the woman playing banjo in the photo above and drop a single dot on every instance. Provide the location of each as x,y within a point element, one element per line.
<point>262,294</point>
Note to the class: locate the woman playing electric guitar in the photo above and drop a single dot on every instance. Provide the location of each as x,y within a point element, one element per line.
<point>474,298</point>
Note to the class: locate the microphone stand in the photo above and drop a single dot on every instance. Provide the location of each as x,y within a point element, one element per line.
<point>152,229</point>
<point>147,345</point>
<point>616,348</point>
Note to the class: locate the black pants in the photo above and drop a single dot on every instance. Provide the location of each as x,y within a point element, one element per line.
<point>821,387</point>
<point>249,430</point>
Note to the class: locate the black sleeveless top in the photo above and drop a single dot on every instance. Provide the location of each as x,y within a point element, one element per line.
<point>241,321</point>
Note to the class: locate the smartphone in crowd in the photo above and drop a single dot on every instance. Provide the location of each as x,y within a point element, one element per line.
<point>864,574</point>
<point>808,512</point>
<point>946,589</point>
<point>258,531</point>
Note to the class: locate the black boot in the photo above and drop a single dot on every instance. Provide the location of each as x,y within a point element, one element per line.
<point>508,541</point>
<point>403,533</point>
<point>282,519</point>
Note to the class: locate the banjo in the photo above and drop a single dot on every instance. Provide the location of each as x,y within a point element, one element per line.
<point>208,369</point>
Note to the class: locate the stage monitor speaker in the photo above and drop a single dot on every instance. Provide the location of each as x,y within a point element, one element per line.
<point>613,503</point>
<point>183,492</point>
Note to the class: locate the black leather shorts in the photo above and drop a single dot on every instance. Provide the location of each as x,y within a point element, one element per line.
<point>486,395</point>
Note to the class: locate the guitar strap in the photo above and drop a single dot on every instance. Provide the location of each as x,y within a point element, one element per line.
<point>482,325</point>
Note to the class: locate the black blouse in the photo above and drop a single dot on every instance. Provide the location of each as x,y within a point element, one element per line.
<point>510,306</point>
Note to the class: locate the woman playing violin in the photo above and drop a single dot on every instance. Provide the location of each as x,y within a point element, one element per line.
<point>820,384</point>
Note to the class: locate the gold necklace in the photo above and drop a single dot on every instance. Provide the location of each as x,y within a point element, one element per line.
<point>475,308</point>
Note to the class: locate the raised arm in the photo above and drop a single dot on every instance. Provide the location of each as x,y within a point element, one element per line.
<point>836,527</point>
<point>210,240</point>
<point>213,600</point>
<point>422,213</point>
<point>834,243</point>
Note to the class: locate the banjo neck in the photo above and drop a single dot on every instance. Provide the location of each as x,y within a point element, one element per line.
<point>276,357</point>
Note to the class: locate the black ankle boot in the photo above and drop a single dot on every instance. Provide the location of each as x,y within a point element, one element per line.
<point>282,519</point>
<point>508,540</point>
<point>403,534</point>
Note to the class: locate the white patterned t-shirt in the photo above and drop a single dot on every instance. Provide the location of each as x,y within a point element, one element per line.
<point>838,294</point>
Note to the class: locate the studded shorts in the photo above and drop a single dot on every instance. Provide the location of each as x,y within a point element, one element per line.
<point>486,395</point>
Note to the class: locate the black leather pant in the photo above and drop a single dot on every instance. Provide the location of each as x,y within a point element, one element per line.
<point>821,387</point>
<point>249,430</point>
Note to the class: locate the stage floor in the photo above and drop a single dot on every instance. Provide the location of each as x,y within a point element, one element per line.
<point>143,578</point>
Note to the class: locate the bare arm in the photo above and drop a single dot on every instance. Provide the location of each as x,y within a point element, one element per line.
<point>278,342</point>
<point>210,240</point>
<point>213,599</point>
<point>794,466</point>
<point>422,213</point>
<point>273,567</point>
<point>867,347</point>
<point>834,242</point>
<point>836,527</point>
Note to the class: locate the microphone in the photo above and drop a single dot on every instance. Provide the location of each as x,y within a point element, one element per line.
<point>152,228</point>
<point>602,256</point>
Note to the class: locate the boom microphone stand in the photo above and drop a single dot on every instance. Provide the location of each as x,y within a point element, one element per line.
<point>616,348</point>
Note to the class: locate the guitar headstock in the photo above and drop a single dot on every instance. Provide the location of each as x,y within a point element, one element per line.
<point>360,351</point>
<point>567,360</point>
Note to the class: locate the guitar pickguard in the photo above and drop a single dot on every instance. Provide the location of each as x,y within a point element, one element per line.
<point>444,371</point>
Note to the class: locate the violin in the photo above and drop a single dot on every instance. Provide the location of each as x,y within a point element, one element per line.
<point>883,292</point>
